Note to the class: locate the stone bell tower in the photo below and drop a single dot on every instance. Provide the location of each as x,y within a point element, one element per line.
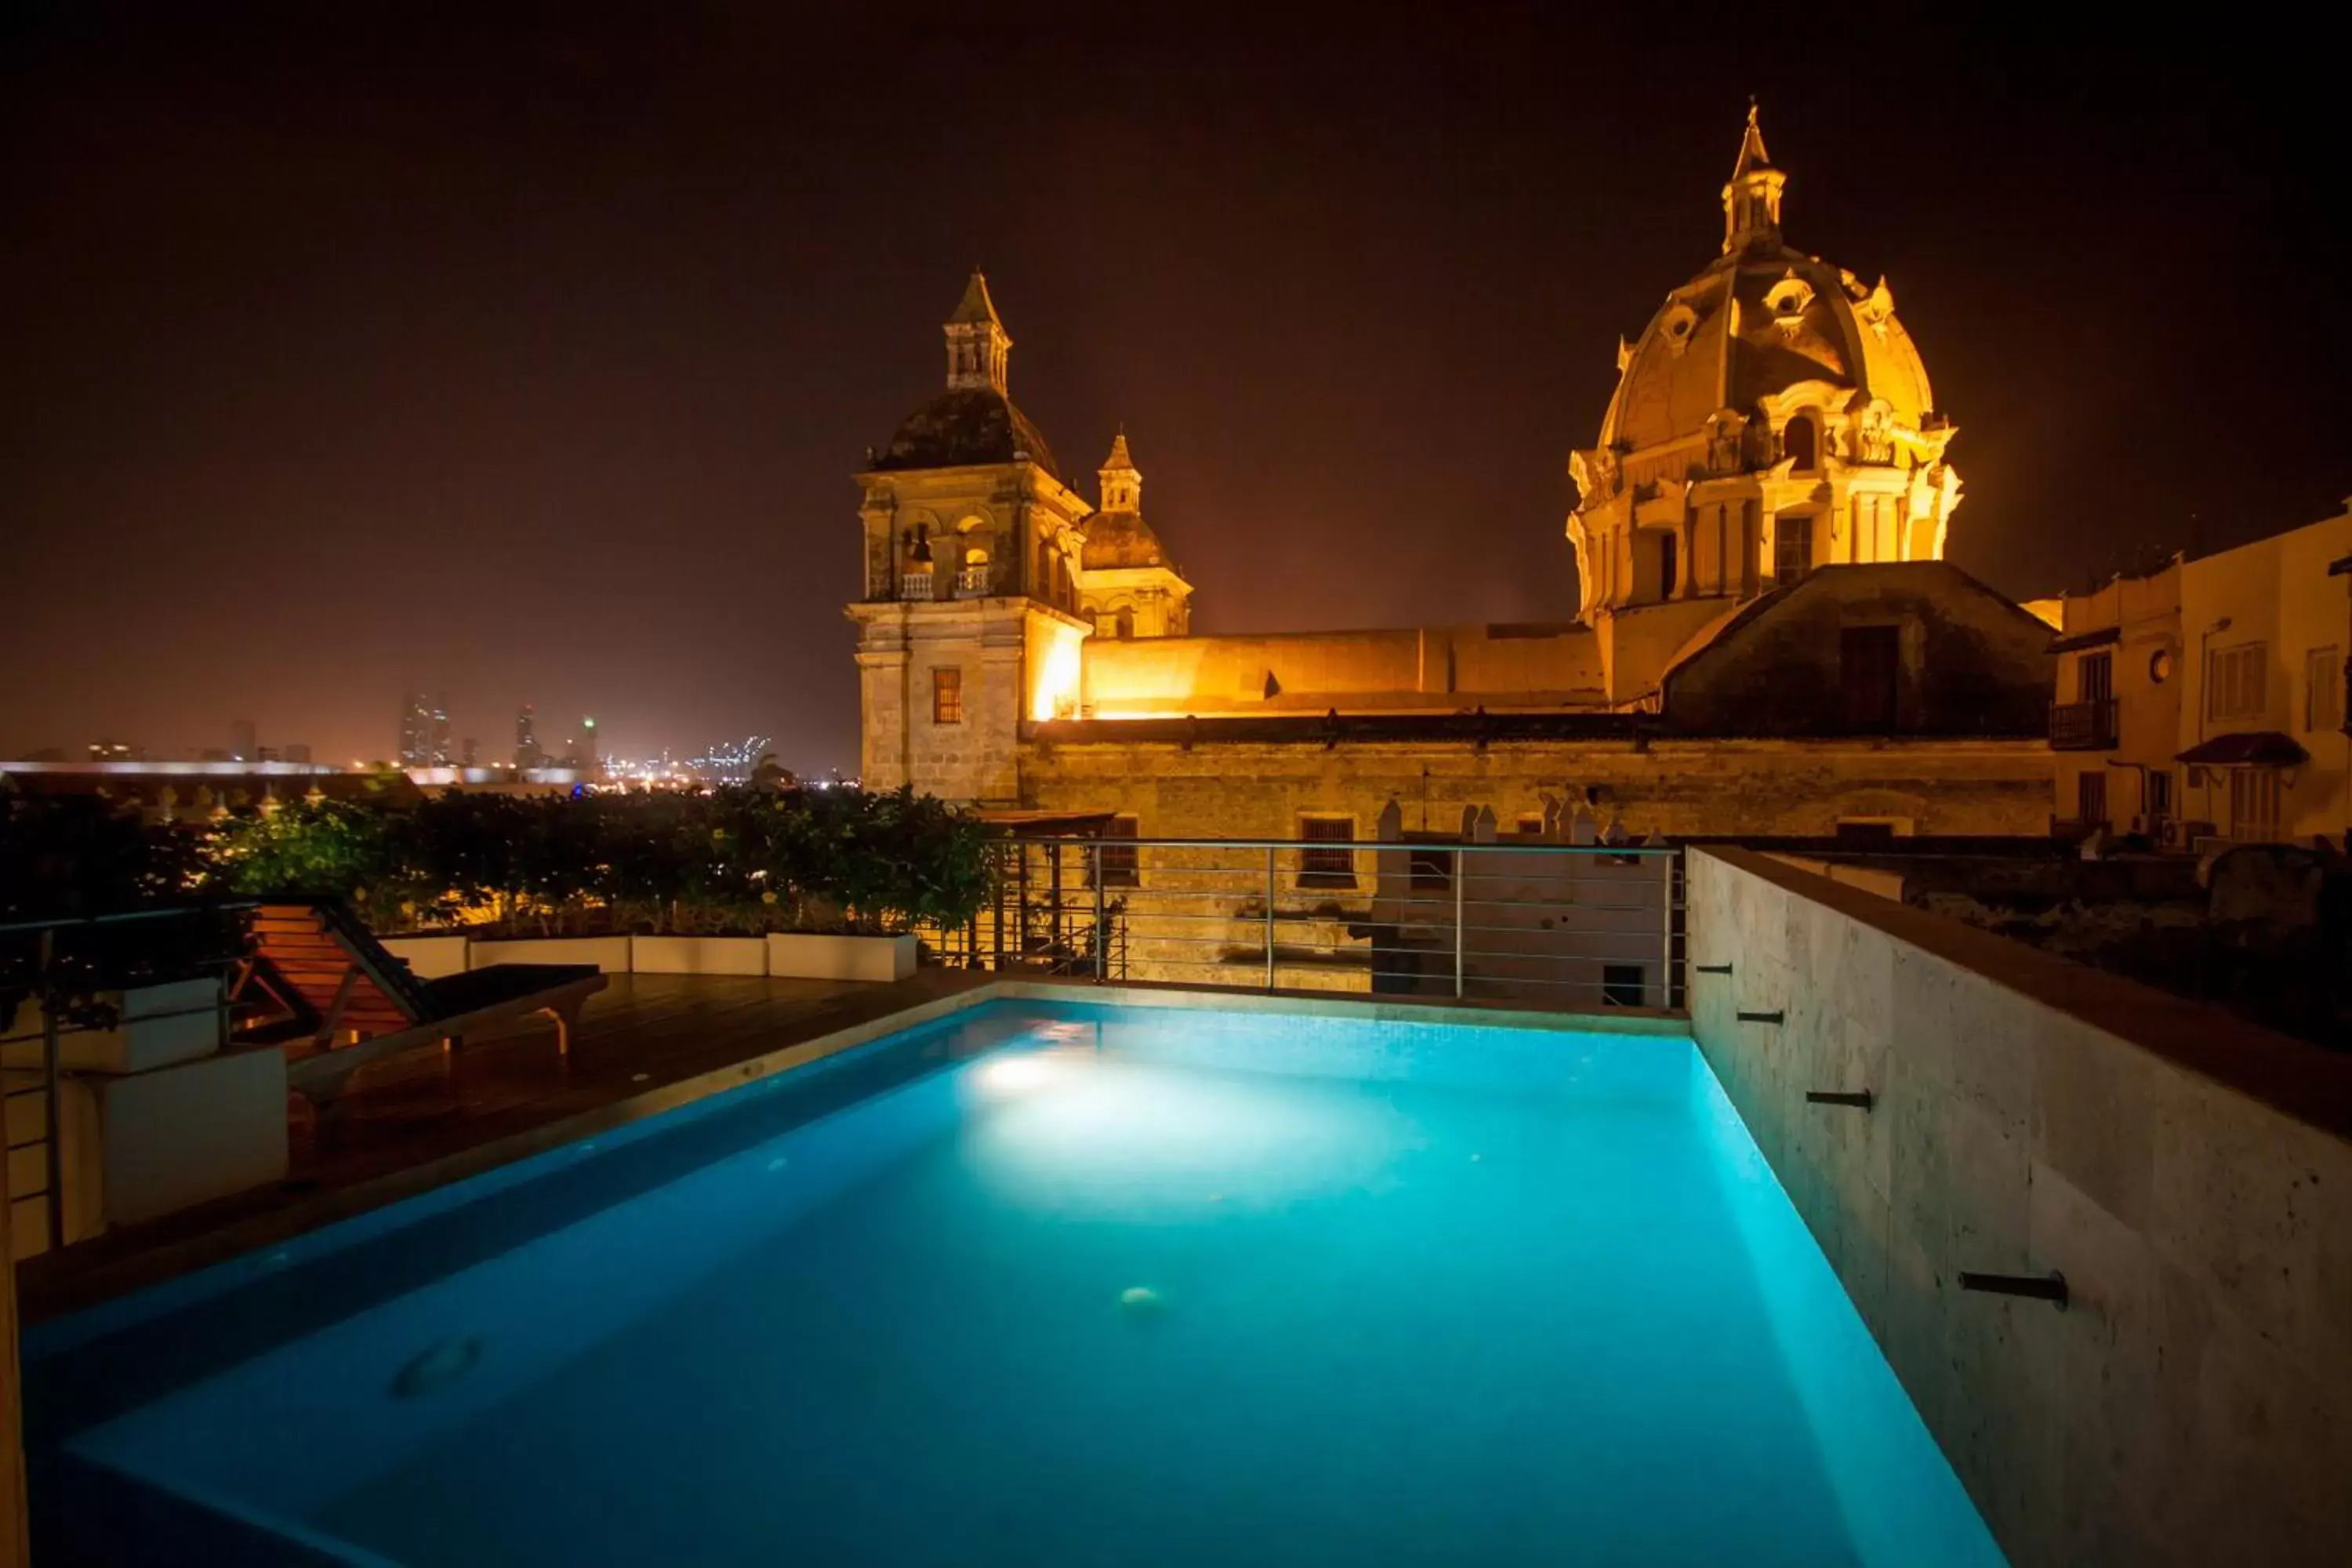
<point>969,627</point>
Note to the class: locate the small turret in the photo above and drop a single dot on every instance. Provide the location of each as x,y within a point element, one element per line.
<point>1122,482</point>
<point>978,344</point>
<point>1751,201</point>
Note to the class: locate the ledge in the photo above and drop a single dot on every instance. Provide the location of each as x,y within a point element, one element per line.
<point>2292,1076</point>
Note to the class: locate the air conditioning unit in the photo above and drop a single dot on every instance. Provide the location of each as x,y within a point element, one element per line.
<point>2181,834</point>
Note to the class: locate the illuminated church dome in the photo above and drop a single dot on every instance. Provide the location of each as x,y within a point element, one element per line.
<point>1773,416</point>
<point>974,421</point>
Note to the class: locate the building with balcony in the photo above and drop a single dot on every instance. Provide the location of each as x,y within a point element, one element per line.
<point>2263,753</point>
<point>1766,637</point>
<point>2115,720</point>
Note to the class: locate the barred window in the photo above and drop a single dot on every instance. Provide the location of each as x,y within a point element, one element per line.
<point>1326,868</point>
<point>946,695</point>
<point>1118,870</point>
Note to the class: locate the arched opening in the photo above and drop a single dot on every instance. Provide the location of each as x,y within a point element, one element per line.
<point>1801,443</point>
<point>1666,566</point>
<point>1126,625</point>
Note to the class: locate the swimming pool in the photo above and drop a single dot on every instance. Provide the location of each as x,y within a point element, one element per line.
<point>1046,1284</point>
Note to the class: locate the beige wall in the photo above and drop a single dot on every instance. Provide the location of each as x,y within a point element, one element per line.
<point>2144,612</point>
<point>1367,671</point>
<point>2033,1115</point>
<point>1679,787</point>
<point>1003,651</point>
<point>2275,592</point>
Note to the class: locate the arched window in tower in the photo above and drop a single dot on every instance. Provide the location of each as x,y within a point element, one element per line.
<point>1800,443</point>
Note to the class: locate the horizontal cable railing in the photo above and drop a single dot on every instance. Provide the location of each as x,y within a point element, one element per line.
<point>1570,926</point>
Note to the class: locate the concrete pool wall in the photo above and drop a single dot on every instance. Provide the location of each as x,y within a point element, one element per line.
<point>2190,1174</point>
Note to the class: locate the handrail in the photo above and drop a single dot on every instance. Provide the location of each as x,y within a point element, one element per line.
<point>1419,916</point>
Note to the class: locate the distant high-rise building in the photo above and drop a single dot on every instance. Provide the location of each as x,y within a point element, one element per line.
<point>242,744</point>
<point>588,745</point>
<point>527,754</point>
<point>298,751</point>
<point>466,751</point>
<point>425,731</point>
<point>108,751</point>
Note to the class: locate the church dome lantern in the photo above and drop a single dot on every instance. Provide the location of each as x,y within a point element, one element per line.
<point>1771,384</point>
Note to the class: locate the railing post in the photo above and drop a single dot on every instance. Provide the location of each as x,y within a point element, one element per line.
<point>1102,947</point>
<point>53,1160</point>
<point>1666,931</point>
<point>1269,916</point>
<point>1460,877</point>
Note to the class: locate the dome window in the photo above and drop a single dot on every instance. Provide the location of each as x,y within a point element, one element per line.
<point>1788,299</point>
<point>1676,324</point>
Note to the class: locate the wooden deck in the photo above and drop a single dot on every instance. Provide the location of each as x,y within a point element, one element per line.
<point>417,1121</point>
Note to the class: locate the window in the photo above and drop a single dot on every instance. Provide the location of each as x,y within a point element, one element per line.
<point>1118,860</point>
<point>1799,445</point>
<point>1792,549</point>
<point>1622,984</point>
<point>1666,566</point>
<point>2094,678</point>
<point>1864,833</point>
<point>2253,803</point>
<point>2091,797</point>
<point>1432,870</point>
<point>1326,868</point>
<point>1869,662</point>
<point>946,695</point>
<point>2233,681</point>
<point>1531,823</point>
<point>2323,689</point>
<point>2159,793</point>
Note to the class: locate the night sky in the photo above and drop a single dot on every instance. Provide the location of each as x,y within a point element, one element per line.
<point>526,351</point>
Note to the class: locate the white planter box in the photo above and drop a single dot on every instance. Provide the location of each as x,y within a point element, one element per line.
<point>143,1144</point>
<point>803,957</point>
<point>609,954</point>
<point>430,957</point>
<point>159,1025</point>
<point>699,955</point>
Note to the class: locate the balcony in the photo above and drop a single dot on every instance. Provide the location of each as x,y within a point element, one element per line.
<point>975,581</point>
<point>916,586</point>
<point>2082,726</point>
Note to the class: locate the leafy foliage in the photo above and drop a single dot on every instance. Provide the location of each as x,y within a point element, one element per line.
<point>745,859</point>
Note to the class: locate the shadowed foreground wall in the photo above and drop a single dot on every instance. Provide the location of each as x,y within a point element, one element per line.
<point>2189,1173</point>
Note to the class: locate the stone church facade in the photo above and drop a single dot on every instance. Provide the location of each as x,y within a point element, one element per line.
<point>1767,639</point>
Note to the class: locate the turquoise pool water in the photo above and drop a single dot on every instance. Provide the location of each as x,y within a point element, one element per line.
<point>1043,1286</point>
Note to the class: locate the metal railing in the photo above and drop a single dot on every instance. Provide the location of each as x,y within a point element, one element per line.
<point>52,986</point>
<point>1574,926</point>
<point>2082,726</point>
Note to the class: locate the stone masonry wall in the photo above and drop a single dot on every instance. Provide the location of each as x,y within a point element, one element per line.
<point>2188,1173</point>
<point>1256,790</point>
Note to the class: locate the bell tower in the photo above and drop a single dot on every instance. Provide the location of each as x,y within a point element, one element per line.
<point>969,630</point>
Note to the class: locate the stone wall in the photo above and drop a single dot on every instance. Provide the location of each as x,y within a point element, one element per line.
<point>2184,1171</point>
<point>1259,790</point>
<point>1968,661</point>
<point>1404,669</point>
